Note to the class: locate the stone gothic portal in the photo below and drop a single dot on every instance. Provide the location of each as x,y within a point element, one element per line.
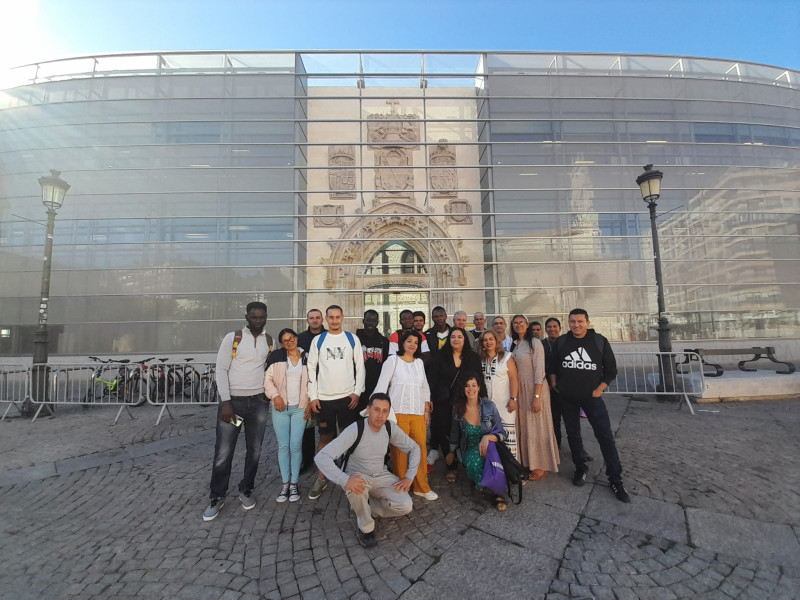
<point>390,228</point>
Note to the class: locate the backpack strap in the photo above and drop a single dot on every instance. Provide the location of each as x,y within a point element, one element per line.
<point>388,457</point>
<point>351,449</point>
<point>600,341</point>
<point>359,435</point>
<point>321,338</point>
<point>237,339</point>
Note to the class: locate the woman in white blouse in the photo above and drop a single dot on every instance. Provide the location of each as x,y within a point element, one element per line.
<point>403,378</point>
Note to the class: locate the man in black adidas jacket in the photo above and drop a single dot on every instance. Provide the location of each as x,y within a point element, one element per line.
<point>582,365</point>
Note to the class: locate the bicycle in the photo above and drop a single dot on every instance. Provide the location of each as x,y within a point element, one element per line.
<point>160,381</point>
<point>185,380</point>
<point>208,386</point>
<point>109,390</point>
<point>133,391</point>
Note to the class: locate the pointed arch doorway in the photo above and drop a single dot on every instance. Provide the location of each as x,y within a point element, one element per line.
<point>398,274</point>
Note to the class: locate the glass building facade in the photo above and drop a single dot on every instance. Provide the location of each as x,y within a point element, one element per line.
<point>500,182</point>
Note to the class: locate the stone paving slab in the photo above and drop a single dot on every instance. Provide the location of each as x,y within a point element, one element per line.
<point>776,543</point>
<point>481,565</point>
<point>556,490</point>
<point>643,514</point>
<point>546,531</point>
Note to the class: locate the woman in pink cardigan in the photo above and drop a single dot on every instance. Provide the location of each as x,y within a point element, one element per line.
<point>286,384</point>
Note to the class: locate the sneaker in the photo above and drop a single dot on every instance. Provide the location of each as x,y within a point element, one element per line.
<point>294,495</point>
<point>433,456</point>
<point>428,495</point>
<point>367,540</point>
<point>620,492</point>
<point>284,495</point>
<point>579,478</point>
<point>247,499</point>
<point>213,509</point>
<point>317,489</point>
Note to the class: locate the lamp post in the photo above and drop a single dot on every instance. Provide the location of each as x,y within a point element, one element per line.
<point>649,183</point>
<point>53,191</point>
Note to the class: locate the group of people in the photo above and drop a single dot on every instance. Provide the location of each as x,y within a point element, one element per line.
<point>407,401</point>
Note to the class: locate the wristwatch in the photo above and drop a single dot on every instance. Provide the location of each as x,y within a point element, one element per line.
<point>514,399</point>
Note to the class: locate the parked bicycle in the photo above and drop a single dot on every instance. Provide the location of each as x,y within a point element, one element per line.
<point>108,381</point>
<point>134,392</point>
<point>160,381</point>
<point>208,386</point>
<point>185,381</point>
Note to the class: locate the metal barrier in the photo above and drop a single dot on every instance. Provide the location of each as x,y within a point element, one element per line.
<point>641,372</point>
<point>179,384</point>
<point>95,384</point>
<point>124,384</point>
<point>14,387</point>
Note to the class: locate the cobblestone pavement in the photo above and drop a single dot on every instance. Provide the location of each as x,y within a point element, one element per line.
<point>92,510</point>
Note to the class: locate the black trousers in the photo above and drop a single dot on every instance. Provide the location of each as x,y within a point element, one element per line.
<point>555,409</point>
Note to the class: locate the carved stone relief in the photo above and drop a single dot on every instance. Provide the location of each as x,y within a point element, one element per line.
<point>342,175</point>
<point>393,137</point>
<point>443,175</point>
<point>453,210</point>
<point>393,172</point>
<point>329,215</point>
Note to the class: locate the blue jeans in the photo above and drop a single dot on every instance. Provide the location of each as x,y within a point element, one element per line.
<point>289,427</point>
<point>597,415</point>
<point>253,411</point>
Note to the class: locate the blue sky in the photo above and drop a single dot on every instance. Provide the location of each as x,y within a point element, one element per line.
<point>764,31</point>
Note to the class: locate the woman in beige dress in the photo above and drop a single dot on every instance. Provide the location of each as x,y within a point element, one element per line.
<point>536,442</point>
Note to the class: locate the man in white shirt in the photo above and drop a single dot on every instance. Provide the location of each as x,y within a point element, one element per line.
<point>499,326</point>
<point>370,488</point>
<point>335,382</point>
<point>242,403</point>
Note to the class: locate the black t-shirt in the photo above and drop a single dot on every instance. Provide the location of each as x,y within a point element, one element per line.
<point>376,351</point>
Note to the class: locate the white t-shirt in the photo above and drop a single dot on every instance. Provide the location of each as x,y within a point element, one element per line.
<point>294,376</point>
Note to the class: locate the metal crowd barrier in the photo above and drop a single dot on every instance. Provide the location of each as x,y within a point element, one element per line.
<point>641,373</point>
<point>126,385</point>
<point>93,384</point>
<point>14,387</point>
<point>179,384</point>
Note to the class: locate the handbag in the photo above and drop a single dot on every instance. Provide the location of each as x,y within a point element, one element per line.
<point>494,475</point>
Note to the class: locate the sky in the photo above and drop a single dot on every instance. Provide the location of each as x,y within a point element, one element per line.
<point>761,31</point>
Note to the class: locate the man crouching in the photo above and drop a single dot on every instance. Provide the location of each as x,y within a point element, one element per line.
<point>369,486</point>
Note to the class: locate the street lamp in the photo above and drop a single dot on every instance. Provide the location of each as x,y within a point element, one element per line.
<point>649,183</point>
<point>53,191</point>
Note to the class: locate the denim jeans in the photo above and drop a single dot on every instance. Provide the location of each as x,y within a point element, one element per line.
<point>289,427</point>
<point>253,411</point>
<point>597,415</point>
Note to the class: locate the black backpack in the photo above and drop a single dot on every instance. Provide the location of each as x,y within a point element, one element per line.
<point>342,460</point>
<point>515,472</point>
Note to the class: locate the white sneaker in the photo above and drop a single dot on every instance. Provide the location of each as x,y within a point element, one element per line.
<point>433,456</point>
<point>428,496</point>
